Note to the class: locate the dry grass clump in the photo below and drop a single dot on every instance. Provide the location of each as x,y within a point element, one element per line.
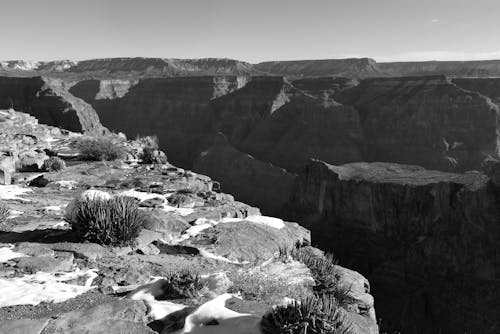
<point>265,289</point>
<point>115,221</point>
<point>185,283</point>
<point>100,149</point>
<point>54,164</point>
<point>4,212</point>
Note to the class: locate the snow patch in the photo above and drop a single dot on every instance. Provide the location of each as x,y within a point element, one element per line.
<point>265,220</point>
<point>44,287</point>
<point>208,255</point>
<point>13,192</point>
<point>7,254</point>
<point>140,195</point>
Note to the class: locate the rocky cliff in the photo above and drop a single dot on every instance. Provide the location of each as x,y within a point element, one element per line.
<point>473,69</point>
<point>489,87</point>
<point>201,262</point>
<point>426,239</point>
<point>351,67</point>
<point>48,100</point>
<point>427,121</point>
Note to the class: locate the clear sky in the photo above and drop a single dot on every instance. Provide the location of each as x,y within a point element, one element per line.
<point>250,30</point>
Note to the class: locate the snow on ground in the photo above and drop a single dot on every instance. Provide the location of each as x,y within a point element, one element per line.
<point>43,287</point>
<point>6,254</point>
<point>13,192</point>
<point>208,255</point>
<point>14,214</point>
<point>265,220</point>
<point>140,195</point>
<point>224,320</point>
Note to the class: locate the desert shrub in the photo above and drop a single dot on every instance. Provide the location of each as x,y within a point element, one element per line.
<point>151,155</point>
<point>265,289</point>
<point>100,148</point>
<point>184,283</point>
<point>324,272</point>
<point>4,212</point>
<point>115,221</point>
<point>54,164</point>
<point>313,315</point>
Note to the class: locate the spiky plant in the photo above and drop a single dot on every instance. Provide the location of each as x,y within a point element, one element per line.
<point>116,221</point>
<point>311,315</point>
<point>185,283</point>
<point>54,164</point>
<point>4,212</point>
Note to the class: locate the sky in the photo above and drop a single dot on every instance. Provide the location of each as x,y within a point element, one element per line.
<point>250,30</point>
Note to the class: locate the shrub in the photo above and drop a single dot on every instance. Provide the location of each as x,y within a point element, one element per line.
<point>54,164</point>
<point>313,315</point>
<point>4,212</point>
<point>324,271</point>
<point>100,148</point>
<point>184,283</point>
<point>115,221</point>
<point>151,155</point>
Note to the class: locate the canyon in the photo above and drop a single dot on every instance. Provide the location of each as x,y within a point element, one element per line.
<point>396,188</point>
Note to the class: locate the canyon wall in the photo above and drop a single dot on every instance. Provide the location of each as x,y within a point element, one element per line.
<point>489,87</point>
<point>428,240</point>
<point>472,69</point>
<point>426,121</point>
<point>48,100</point>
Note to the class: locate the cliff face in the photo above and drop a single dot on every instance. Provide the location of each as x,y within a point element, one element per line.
<point>424,121</point>
<point>483,68</point>
<point>48,100</point>
<point>352,67</point>
<point>489,87</point>
<point>248,177</point>
<point>427,240</point>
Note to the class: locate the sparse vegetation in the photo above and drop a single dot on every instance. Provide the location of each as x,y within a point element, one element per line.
<point>99,149</point>
<point>324,271</point>
<point>312,315</point>
<point>4,212</point>
<point>265,289</point>
<point>150,151</point>
<point>116,221</point>
<point>184,283</point>
<point>54,164</point>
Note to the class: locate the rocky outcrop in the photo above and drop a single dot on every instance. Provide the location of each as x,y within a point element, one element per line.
<point>323,87</point>
<point>426,239</point>
<point>351,67</point>
<point>50,103</point>
<point>489,87</point>
<point>425,121</point>
<point>246,176</point>
<point>473,69</point>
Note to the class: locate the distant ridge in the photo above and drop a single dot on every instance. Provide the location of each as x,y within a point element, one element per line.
<point>140,67</point>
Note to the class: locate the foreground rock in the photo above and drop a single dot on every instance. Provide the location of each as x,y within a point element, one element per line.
<point>53,282</point>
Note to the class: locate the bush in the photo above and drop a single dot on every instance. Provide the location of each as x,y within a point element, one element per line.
<point>313,315</point>
<point>99,149</point>
<point>151,155</point>
<point>184,283</point>
<point>115,221</point>
<point>324,271</point>
<point>4,212</point>
<point>54,164</point>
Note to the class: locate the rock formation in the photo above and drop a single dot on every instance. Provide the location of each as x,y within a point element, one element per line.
<point>53,282</point>
<point>426,239</point>
<point>427,121</point>
<point>48,100</point>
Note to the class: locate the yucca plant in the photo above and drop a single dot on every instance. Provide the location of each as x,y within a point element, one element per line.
<point>311,315</point>
<point>116,221</point>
